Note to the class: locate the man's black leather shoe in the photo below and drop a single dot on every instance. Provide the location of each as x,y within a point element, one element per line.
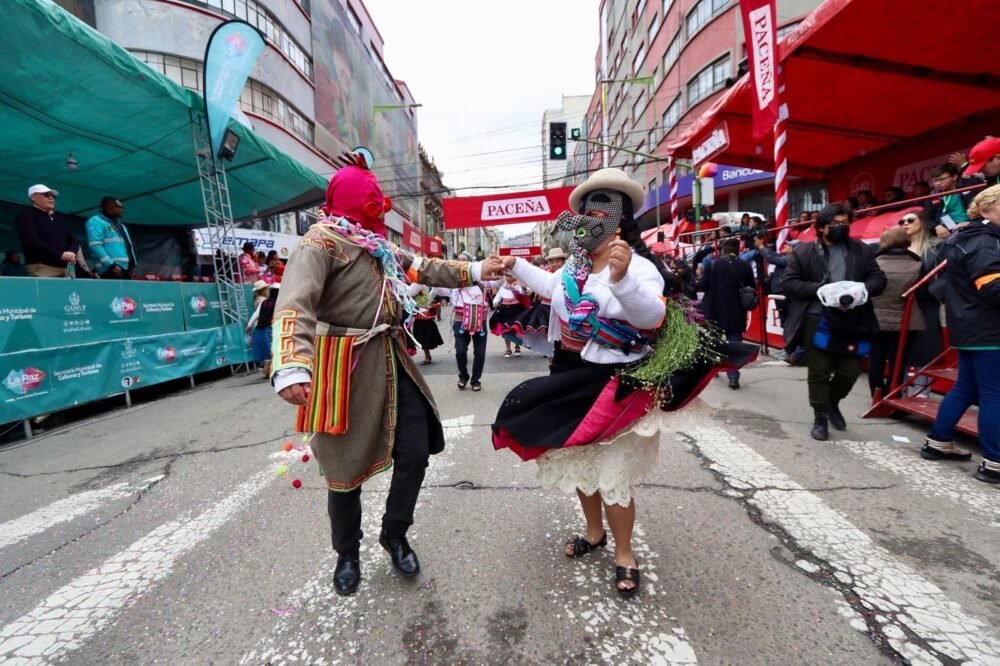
<point>403,558</point>
<point>837,419</point>
<point>347,575</point>
<point>820,430</point>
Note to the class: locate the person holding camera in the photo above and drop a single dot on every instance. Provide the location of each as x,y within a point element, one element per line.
<point>829,283</point>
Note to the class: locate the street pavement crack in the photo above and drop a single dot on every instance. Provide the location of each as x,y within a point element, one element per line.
<point>820,570</point>
<point>141,492</point>
<point>138,461</point>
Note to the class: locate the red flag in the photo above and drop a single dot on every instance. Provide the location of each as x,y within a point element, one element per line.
<point>762,54</point>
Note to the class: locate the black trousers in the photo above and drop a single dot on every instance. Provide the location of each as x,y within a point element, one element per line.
<point>409,457</point>
<point>831,376</point>
<point>462,355</point>
<point>884,349</point>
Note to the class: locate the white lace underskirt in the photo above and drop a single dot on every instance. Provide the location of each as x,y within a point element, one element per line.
<point>613,467</point>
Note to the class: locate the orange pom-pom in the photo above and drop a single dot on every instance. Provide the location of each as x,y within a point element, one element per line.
<point>288,447</point>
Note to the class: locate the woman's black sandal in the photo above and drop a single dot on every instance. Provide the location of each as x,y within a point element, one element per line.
<point>629,574</point>
<point>581,546</point>
<point>462,384</point>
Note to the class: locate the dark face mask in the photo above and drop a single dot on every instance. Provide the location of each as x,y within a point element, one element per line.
<point>839,234</point>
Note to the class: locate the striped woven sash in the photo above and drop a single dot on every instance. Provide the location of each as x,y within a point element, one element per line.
<point>327,408</point>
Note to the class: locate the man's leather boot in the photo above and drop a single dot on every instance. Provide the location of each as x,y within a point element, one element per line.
<point>821,430</point>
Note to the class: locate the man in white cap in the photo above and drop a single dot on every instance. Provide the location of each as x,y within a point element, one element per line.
<point>48,245</point>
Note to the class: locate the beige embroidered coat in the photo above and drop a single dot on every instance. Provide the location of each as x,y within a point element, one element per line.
<point>330,285</point>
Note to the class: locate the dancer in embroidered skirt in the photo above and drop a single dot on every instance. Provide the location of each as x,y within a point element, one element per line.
<point>507,306</point>
<point>425,329</point>
<point>593,423</point>
<point>340,356</point>
<point>532,326</point>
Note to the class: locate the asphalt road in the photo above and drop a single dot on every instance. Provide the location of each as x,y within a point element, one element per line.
<point>161,534</point>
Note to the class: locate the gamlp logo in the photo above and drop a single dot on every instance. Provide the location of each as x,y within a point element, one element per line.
<point>74,307</point>
<point>19,382</point>
<point>198,304</point>
<point>166,354</point>
<point>124,307</point>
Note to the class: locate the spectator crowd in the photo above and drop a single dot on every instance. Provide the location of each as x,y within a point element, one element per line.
<point>49,248</point>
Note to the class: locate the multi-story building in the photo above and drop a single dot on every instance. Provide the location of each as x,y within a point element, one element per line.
<point>320,87</point>
<point>690,51</point>
<point>432,190</point>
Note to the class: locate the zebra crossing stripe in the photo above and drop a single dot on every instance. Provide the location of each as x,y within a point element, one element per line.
<point>87,604</point>
<point>907,604</point>
<point>930,478</point>
<point>65,510</point>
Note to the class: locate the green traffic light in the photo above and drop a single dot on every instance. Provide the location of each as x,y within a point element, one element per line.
<point>558,150</point>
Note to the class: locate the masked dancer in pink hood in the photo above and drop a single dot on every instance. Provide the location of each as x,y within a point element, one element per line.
<point>340,357</point>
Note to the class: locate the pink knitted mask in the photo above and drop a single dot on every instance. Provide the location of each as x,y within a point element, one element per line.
<point>354,193</point>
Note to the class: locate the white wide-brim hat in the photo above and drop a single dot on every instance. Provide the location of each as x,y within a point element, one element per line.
<point>555,253</point>
<point>608,179</point>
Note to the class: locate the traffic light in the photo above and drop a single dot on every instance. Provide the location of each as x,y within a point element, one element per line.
<point>574,134</point>
<point>557,141</point>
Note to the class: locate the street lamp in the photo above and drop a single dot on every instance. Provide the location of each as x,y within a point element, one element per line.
<point>650,83</point>
<point>379,108</point>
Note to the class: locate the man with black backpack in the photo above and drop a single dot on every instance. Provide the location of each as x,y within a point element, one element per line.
<point>729,292</point>
<point>829,284</point>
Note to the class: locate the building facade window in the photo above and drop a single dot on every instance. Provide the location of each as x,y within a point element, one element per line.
<point>667,4</point>
<point>256,97</point>
<point>352,18</point>
<point>672,115</point>
<point>637,108</point>
<point>640,55</point>
<point>672,53</point>
<point>703,13</point>
<point>654,27</point>
<point>256,15</point>
<point>783,31</point>
<point>708,80</point>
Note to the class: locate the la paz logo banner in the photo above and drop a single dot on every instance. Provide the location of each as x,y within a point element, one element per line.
<point>762,41</point>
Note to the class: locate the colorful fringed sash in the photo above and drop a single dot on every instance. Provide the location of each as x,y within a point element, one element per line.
<point>327,408</point>
<point>584,324</point>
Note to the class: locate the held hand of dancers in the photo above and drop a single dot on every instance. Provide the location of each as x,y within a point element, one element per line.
<point>619,259</point>
<point>296,394</point>
<point>507,262</point>
<point>492,268</point>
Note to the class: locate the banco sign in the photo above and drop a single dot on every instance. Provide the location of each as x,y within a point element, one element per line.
<point>508,209</point>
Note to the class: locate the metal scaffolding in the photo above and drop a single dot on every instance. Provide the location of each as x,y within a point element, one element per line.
<point>219,220</point>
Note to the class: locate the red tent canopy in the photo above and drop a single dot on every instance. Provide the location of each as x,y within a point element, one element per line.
<point>865,75</point>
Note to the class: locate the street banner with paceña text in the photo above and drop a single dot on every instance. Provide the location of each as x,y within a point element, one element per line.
<point>231,53</point>
<point>762,44</point>
<point>505,208</point>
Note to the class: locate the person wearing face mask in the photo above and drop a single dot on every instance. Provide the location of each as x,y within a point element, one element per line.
<point>594,433</point>
<point>339,355</point>
<point>832,336</point>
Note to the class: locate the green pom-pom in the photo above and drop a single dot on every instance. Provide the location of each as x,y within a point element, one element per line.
<point>282,470</point>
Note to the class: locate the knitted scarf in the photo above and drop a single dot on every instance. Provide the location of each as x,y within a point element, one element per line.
<point>385,253</point>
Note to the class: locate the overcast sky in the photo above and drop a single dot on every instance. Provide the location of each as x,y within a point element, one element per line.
<point>484,73</point>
